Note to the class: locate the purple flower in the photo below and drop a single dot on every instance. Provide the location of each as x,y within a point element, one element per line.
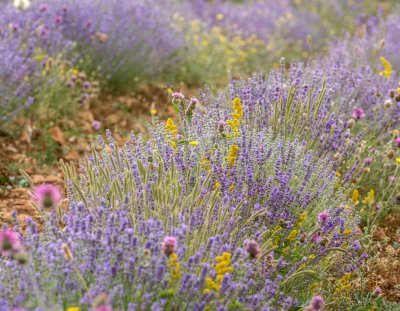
<point>96,124</point>
<point>169,245</point>
<point>47,195</point>
<point>323,217</point>
<point>252,248</point>
<point>317,303</point>
<point>397,141</point>
<point>9,242</point>
<point>378,291</point>
<point>368,161</point>
<point>178,95</point>
<point>103,308</point>
<point>358,113</point>
<point>194,100</point>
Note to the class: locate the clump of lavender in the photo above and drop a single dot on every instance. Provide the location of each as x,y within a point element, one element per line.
<point>33,54</point>
<point>196,216</point>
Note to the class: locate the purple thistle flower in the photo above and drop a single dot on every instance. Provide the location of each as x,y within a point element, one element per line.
<point>169,245</point>
<point>103,308</point>
<point>397,141</point>
<point>323,217</point>
<point>9,242</point>
<point>252,248</point>
<point>96,124</point>
<point>47,196</point>
<point>358,113</point>
<point>317,304</point>
<point>178,95</point>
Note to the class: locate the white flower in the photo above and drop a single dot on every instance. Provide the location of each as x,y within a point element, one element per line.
<point>22,4</point>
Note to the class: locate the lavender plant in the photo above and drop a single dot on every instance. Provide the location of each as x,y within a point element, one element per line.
<point>34,68</point>
<point>211,215</point>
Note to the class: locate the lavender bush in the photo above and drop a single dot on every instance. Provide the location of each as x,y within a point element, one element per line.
<point>34,66</point>
<point>209,215</point>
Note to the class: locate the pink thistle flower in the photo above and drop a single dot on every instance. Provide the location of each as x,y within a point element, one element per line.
<point>96,124</point>
<point>9,242</point>
<point>397,141</point>
<point>103,308</point>
<point>368,161</point>
<point>252,248</point>
<point>323,217</point>
<point>317,303</point>
<point>178,95</point>
<point>358,113</point>
<point>47,195</point>
<point>169,245</point>
<point>194,100</point>
<point>378,291</point>
<point>58,19</point>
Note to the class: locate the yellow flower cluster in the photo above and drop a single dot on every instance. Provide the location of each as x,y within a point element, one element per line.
<point>343,286</point>
<point>387,68</point>
<point>172,130</point>
<point>174,267</point>
<point>234,123</point>
<point>355,197</point>
<point>222,267</point>
<point>370,198</point>
<point>292,235</point>
<point>232,155</point>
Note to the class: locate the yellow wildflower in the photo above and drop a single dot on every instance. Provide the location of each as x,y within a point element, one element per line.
<point>73,309</point>
<point>237,115</point>
<point>396,133</point>
<point>232,155</point>
<point>292,235</point>
<point>217,185</point>
<point>312,256</point>
<point>355,197</point>
<point>206,164</point>
<point>338,174</point>
<point>220,16</point>
<point>174,267</point>
<point>193,143</point>
<point>343,285</point>
<point>171,127</point>
<point>222,267</point>
<point>302,217</point>
<point>231,187</point>
<point>347,231</point>
<point>398,160</point>
<point>387,68</point>
<point>370,198</point>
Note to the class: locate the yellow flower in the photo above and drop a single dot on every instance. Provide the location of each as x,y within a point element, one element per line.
<point>171,127</point>
<point>292,235</point>
<point>206,164</point>
<point>302,218</point>
<point>370,198</point>
<point>398,160</point>
<point>174,268</point>
<point>237,116</point>
<point>387,71</point>
<point>232,155</point>
<point>153,111</point>
<point>347,232</point>
<point>73,309</point>
<point>396,133</point>
<point>338,174</point>
<point>217,185</point>
<point>220,16</point>
<point>193,143</point>
<point>355,197</point>
<point>312,256</point>
<point>75,71</point>
<point>231,187</point>
<point>222,267</point>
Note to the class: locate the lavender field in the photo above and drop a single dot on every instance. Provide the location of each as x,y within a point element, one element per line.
<point>206,155</point>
